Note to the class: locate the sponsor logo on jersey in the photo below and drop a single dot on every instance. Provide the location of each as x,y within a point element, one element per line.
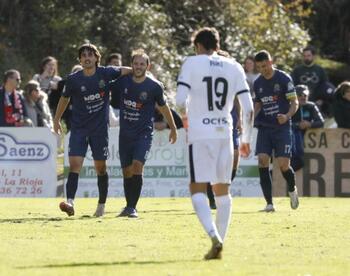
<point>132,104</point>
<point>143,96</point>
<point>269,99</point>
<point>101,84</point>
<point>94,97</point>
<point>215,121</point>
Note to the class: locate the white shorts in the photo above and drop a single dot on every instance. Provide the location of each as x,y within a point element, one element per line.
<point>211,161</point>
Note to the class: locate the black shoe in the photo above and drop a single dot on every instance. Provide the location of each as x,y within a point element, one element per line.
<point>212,205</point>
<point>125,212</point>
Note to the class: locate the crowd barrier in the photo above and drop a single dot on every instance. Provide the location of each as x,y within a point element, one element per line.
<point>28,161</point>
<point>327,165</point>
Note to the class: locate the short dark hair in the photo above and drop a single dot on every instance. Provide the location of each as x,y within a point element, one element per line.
<point>9,73</point>
<point>113,56</point>
<point>262,56</point>
<point>92,48</point>
<point>140,52</point>
<point>310,48</point>
<point>208,37</point>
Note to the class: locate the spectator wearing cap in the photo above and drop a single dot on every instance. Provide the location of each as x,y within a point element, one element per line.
<point>307,116</point>
<point>35,101</point>
<point>12,110</point>
<point>341,105</point>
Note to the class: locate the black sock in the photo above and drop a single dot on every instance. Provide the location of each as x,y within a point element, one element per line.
<point>102,183</point>
<point>136,189</point>
<point>210,194</point>
<point>289,176</point>
<point>72,185</point>
<point>266,184</point>
<point>233,175</point>
<point>127,183</point>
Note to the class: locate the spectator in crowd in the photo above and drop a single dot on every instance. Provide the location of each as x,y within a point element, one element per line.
<point>250,72</point>
<point>67,115</point>
<point>341,105</point>
<point>160,123</point>
<point>307,116</point>
<point>314,77</point>
<point>36,105</point>
<point>48,79</point>
<point>12,110</point>
<point>114,59</point>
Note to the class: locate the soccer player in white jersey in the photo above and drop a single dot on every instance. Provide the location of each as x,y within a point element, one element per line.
<point>207,86</point>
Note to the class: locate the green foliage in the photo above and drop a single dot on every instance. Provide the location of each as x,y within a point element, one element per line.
<point>163,28</point>
<point>167,239</point>
<point>337,71</point>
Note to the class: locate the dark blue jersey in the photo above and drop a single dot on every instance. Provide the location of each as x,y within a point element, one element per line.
<point>274,95</point>
<point>137,105</point>
<point>90,98</point>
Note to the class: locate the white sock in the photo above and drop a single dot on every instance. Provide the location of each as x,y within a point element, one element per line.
<point>223,213</point>
<point>70,201</point>
<point>201,206</point>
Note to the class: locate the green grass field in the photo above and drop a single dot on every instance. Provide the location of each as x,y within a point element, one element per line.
<point>167,239</point>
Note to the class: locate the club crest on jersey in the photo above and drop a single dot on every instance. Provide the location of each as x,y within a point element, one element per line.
<point>276,88</point>
<point>143,96</point>
<point>101,84</point>
<point>260,90</point>
<point>83,88</point>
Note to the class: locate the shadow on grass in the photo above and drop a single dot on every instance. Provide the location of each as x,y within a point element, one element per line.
<point>54,219</point>
<point>107,264</point>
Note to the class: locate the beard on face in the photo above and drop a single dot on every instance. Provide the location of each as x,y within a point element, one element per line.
<point>307,61</point>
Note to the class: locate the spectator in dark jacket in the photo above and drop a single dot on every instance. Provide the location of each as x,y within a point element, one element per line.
<point>341,105</point>
<point>12,110</point>
<point>307,116</point>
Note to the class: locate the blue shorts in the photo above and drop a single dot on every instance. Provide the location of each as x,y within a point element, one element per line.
<point>78,145</point>
<point>134,149</point>
<point>235,137</point>
<point>277,139</point>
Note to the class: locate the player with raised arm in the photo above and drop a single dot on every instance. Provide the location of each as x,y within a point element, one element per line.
<point>275,103</point>
<point>207,86</point>
<point>139,94</point>
<point>89,94</point>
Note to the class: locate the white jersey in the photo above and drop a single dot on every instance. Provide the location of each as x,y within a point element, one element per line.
<point>213,82</point>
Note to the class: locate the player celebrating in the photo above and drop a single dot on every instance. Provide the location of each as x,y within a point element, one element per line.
<point>139,96</point>
<point>88,89</point>
<point>208,84</point>
<point>276,102</point>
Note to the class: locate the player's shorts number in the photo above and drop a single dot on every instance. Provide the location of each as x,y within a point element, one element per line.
<point>220,89</point>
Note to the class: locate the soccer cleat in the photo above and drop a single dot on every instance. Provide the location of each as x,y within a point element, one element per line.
<point>294,200</point>
<point>124,212</point>
<point>133,213</point>
<point>215,250</point>
<point>269,208</point>
<point>100,210</point>
<point>67,208</point>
